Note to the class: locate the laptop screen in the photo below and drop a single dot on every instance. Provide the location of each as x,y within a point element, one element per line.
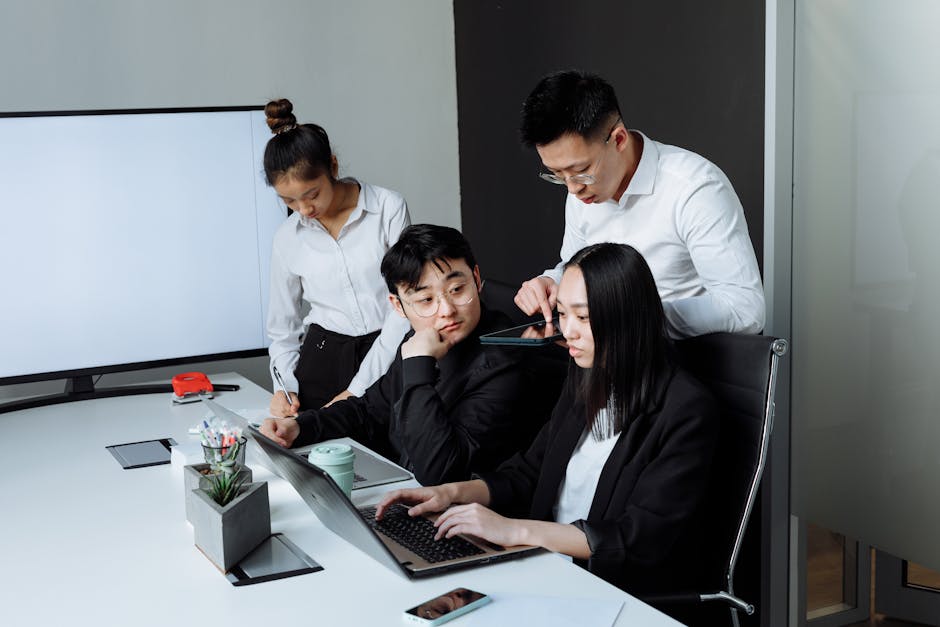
<point>326,499</point>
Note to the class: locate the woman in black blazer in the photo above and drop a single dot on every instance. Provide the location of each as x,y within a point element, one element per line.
<point>617,477</point>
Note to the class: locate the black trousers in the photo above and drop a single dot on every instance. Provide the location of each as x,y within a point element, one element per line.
<point>328,362</point>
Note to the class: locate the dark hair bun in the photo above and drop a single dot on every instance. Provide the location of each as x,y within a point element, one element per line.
<point>279,115</point>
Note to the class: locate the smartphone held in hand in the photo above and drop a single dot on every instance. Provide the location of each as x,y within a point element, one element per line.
<point>439,610</point>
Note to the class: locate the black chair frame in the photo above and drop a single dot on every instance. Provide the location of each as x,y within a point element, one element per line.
<point>741,371</point>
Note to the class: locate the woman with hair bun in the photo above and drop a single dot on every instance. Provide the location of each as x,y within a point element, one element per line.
<point>325,262</point>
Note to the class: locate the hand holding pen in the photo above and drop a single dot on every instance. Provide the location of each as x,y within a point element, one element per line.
<point>285,404</point>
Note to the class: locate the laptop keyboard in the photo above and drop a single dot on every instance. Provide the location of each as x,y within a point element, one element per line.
<point>417,534</point>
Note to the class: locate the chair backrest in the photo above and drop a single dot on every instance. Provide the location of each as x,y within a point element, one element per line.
<point>740,371</point>
<point>499,296</point>
<point>547,366</point>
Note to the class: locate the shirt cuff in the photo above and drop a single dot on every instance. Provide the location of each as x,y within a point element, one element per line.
<point>554,274</point>
<point>355,388</point>
<point>500,493</point>
<point>309,428</point>
<point>418,370</point>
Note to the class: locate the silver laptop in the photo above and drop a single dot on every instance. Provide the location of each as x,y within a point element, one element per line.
<point>369,469</point>
<point>399,542</point>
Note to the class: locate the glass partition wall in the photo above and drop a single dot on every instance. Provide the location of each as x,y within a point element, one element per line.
<point>865,308</point>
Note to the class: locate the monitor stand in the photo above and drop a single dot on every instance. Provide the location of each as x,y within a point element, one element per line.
<point>82,388</point>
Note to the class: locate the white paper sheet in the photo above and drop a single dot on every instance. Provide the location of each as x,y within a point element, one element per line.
<point>544,612</point>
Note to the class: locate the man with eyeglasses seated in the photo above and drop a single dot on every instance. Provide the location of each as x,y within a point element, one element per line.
<point>447,406</point>
<point>675,207</point>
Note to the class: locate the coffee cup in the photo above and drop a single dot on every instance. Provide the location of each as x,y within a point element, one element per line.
<point>337,461</point>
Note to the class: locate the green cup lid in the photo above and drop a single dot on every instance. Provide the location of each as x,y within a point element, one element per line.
<point>331,454</point>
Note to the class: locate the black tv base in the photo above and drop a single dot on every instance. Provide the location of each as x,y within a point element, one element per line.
<point>82,389</point>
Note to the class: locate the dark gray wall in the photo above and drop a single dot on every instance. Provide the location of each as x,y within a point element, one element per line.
<point>686,73</point>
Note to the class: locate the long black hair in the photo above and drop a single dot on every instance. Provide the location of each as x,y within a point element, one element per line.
<point>631,359</point>
<point>300,150</point>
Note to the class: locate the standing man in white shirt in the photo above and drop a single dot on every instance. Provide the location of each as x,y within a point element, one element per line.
<point>675,207</point>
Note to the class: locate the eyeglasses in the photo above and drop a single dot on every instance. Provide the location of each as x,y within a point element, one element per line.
<point>579,179</point>
<point>458,295</point>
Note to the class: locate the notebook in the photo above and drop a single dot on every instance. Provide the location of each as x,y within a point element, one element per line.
<point>394,542</point>
<point>370,470</point>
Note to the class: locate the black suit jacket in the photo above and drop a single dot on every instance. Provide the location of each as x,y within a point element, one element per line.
<point>641,527</point>
<point>440,420</point>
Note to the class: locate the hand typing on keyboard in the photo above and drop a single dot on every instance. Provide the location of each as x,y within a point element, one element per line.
<point>422,500</point>
<point>418,535</point>
<point>464,512</point>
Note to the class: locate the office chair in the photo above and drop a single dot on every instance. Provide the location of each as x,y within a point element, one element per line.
<point>741,372</point>
<point>499,296</point>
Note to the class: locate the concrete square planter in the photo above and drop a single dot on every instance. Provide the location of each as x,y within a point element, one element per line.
<point>227,534</point>
<point>197,476</point>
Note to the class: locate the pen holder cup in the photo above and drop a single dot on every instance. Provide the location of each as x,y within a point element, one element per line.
<point>218,456</point>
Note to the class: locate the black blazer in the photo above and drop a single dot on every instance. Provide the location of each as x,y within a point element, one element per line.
<point>440,420</point>
<point>641,527</point>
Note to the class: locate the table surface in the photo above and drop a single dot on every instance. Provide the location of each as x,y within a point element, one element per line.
<point>84,541</point>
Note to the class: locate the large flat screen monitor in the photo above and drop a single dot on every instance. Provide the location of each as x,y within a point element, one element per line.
<point>132,239</point>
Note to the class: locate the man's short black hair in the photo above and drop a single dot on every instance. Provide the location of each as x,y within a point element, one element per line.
<point>419,244</point>
<point>567,102</point>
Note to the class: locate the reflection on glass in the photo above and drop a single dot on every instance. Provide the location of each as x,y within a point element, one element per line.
<point>446,603</point>
<point>830,572</point>
<point>535,333</point>
<point>921,577</point>
<point>542,330</point>
<point>865,364</point>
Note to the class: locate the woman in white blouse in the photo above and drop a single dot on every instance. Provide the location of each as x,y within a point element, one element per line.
<point>333,332</point>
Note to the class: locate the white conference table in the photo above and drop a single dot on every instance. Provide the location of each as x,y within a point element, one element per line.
<point>85,542</point>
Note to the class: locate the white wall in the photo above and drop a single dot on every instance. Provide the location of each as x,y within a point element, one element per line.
<point>378,75</point>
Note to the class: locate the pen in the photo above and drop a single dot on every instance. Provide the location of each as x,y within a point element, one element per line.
<point>280,383</point>
<point>210,436</point>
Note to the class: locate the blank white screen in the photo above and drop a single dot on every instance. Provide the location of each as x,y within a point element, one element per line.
<point>132,238</point>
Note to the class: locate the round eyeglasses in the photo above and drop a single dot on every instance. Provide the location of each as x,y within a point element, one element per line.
<point>458,295</point>
<point>579,179</point>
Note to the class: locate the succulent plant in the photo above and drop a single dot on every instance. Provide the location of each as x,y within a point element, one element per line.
<point>225,486</point>
<point>224,459</point>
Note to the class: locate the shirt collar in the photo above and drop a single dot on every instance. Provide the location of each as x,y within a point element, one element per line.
<point>645,175</point>
<point>363,204</point>
<point>366,202</point>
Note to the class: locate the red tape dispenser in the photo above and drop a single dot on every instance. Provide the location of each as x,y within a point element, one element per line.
<point>189,385</point>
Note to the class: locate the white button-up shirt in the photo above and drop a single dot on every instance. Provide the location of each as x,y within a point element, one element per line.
<point>338,283</point>
<point>681,213</point>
